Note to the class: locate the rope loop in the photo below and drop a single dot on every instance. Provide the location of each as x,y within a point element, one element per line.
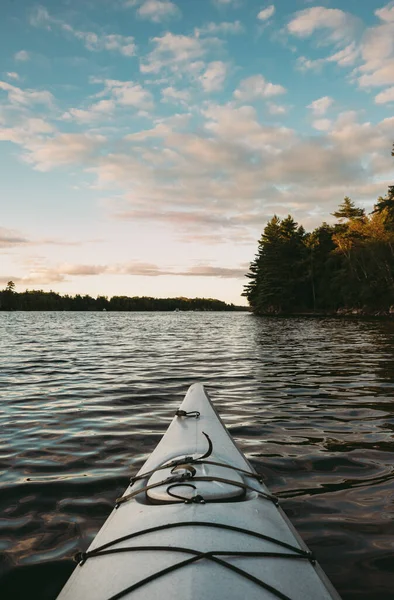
<point>177,496</point>
<point>191,471</point>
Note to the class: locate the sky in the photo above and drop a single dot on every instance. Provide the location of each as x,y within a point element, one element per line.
<point>144,144</point>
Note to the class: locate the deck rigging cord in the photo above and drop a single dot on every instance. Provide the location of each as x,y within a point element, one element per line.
<point>187,465</point>
<point>297,553</point>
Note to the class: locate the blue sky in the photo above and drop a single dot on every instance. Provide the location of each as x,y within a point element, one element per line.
<point>145,143</point>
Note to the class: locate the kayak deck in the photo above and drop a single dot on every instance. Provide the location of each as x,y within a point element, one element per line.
<point>197,523</point>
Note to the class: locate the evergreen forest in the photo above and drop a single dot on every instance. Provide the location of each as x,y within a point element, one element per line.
<point>40,300</point>
<point>345,267</point>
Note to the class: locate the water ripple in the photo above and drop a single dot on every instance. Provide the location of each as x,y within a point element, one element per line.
<point>87,396</point>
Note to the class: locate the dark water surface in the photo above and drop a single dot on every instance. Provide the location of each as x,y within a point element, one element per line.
<point>85,397</point>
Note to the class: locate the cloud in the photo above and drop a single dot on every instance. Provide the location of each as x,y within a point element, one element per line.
<point>12,75</point>
<point>322,124</point>
<point>170,94</point>
<point>128,93</point>
<point>26,97</point>
<point>46,275</point>
<point>242,167</point>
<point>175,52</point>
<point>375,48</point>
<point>40,17</point>
<point>225,28</point>
<point>27,129</point>
<point>345,57</point>
<point>386,96</point>
<point>95,112</point>
<point>305,64</point>
<point>386,13</point>
<point>158,10</point>
<point>276,109</point>
<point>93,42</point>
<point>320,106</point>
<point>22,56</point>
<point>256,87</point>
<point>62,149</point>
<point>338,24</point>
<point>266,13</point>
<point>10,238</point>
<point>212,79</point>
<point>381,75</point>
<point>229,3</point>
<point>377,51</point>
<point>209,271</point>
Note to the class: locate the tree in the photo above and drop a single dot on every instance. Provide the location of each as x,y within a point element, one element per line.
<point>348,210</point>
<point>277,273</point>
<point>10,286</point>
<point>387,204</point>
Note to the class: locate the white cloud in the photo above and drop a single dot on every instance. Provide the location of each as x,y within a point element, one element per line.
<point>386,13</point>
<point>226,27</point>
<point>339,24</point>
<point>306,64</point>
<point>175,52</point>
<point>212,79</point>
<point>236,164</point>
<point>255,87</point>
<point>13,75</point>
<point>22,56</point>
<point>277,109</point>
<point>230,3</point>
<point>377,51</point>
<point>379,76</point>
<point>17,96</point>
<point>158,10</point>
<point>95,112</point>
<point>322,124</point>
<point>26,130</point>
<point>40,17</point>
<point>266,13</point>
<point>62,149</point>
<point>45,275</point>
<point>385,96</point>
<point>345,57</point>
<point>10,238</point>
<point>128,93</point>
<point>114,42</point>
<point>319,107</point>
<point>171,94</point>
<point>93,42</point>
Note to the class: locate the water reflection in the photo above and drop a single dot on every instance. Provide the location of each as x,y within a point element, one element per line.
<point>87,397</point>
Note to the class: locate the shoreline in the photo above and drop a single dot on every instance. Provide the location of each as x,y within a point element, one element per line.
<point>349,313</point>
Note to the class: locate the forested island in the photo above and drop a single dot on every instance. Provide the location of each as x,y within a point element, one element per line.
<point>39,300</point>
<point>345,268</point>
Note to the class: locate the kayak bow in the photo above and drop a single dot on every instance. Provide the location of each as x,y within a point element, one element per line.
<point>197,523</point>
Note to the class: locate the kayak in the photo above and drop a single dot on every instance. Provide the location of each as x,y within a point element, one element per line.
<point>197,523</point>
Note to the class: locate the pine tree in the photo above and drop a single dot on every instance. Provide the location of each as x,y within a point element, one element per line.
<point>348,210</point>
<point>277,273</point>
<point>386,205</point>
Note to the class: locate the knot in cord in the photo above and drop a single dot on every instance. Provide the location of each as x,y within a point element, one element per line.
<point>183,413</point>
<point>198,499</point>
<point>80,558</point>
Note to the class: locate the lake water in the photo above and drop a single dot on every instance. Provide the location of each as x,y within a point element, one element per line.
<point>85,397</point>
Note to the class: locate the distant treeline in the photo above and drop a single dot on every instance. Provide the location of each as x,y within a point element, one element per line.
<point>344,267</point>
<point>40,300</point>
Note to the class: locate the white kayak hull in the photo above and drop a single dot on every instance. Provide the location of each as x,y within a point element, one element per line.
<point>151,545</point>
